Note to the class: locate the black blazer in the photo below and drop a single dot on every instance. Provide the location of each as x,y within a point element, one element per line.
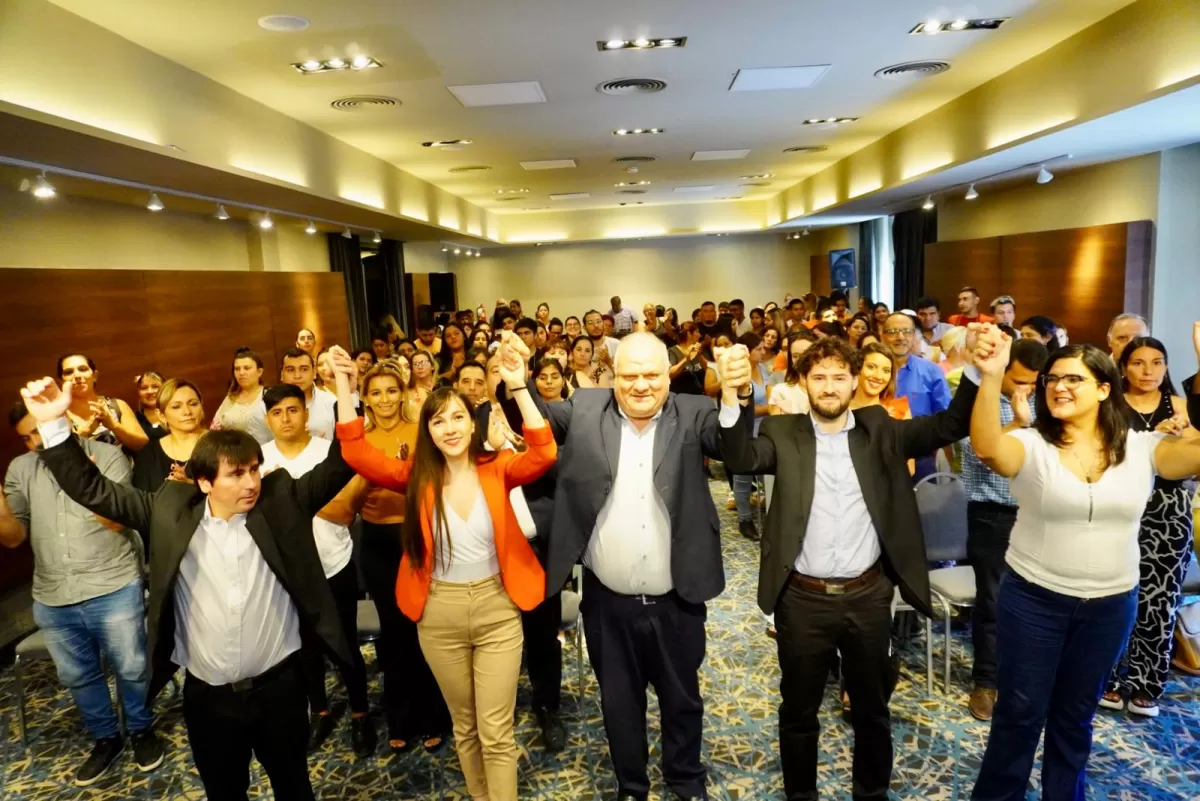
<point>280,523</point>
<point>880,448</point>
<point>588,430</point>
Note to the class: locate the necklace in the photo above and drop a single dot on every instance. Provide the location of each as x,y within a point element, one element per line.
<point>1087,477</point>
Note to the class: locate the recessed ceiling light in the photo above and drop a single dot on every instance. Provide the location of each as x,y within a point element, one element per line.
<point>283,23</point>
<point>512,191</point>
<point>636,131</point>
<point>719,155</point>
<point>934,26</point>
<point>633,159</point>
<point>549,164</point>
<point>631,191</point>
<point>756,177</point>
<point>473,168</point>
<point>633,183</point>
<point>364,102</point>
<point>641,43</point>
<point>499,94</point>
<point>509,199</point>
<point>765,78</point>
<point>447,143</point>
<point>831,121</point>
<point>570,195</point>
<point>805,149</point>
<point>314,67</point>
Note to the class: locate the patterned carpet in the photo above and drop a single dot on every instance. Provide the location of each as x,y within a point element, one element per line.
<point>938,745</point>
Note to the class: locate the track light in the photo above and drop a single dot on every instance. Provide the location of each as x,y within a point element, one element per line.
<point>1044,176</point>
<point>971,193</point>
<point>445,249</point>
<point>42,188</point>
<point>928,204</point>
<point>311,228</point>
<point>457,251</point>
<point>266,223</point>
<point>155,204</point>
<point>804,232</point>
<point>478,254</point>
<point>377,238</point>
<point>347,235</point>
<point>221,213</point>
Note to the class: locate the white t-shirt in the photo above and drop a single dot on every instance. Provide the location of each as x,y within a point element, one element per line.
<point>334,545</point>
<point>1054,544</point>
<point>790,398</point>
<point>322,416</point>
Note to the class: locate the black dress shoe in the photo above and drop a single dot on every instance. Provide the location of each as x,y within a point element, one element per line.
<point>362,736</point>
<point>748,530</point>
<point>319,729</point>
<point>554,733</point>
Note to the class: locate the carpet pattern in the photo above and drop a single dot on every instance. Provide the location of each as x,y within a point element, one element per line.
<point>938,745</point>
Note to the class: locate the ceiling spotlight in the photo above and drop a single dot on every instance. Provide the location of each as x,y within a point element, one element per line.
<point>377,238</point>
<point>42,188</point>
<point>932,27</point>
<point>628,132</point>
<point>614,44</point>
<point>478,254</point>
<point>347,235</point>
<point>958,24</point>
<point>360,61</point>
<point>310,65</point>
<point>457,251</point>
<point>512,191</point>
<point>446,143</point>
<point>831,121</point>
<point>667,42</point>
<point>756,177</point>
<point>1044,176</point>
<point>221,213</point>
<point>804,232</point>
<point>928,204</point>
<point>155,204</point>
<point>311,228</point>
<point>971,193</point>
<point>336,63</point>
<point>641,43</point>
<point>632,183</point>
<point>265,223</point>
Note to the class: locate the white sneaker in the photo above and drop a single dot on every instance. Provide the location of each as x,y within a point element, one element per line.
<point>1117,705</point>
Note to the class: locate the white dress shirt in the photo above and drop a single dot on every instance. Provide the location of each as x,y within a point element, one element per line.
<point>743,327</point>
<point>334,544</point>
<point>630,548</point>
<point>322,416</point>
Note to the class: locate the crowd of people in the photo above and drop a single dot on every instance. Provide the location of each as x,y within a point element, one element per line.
<point>486,457</point>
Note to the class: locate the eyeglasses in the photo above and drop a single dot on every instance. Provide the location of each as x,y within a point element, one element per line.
<point>1069,382</point>
<point>895,332</point>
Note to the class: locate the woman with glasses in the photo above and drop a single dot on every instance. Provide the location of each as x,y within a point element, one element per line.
<point>422,381</point>
<point>1066,604</point>
<point>1165,537</point>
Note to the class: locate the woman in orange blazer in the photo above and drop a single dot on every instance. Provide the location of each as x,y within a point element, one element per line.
<point>467,569</point>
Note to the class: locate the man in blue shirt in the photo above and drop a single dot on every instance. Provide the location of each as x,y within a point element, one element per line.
<point>991,514</point>
<point>920,381</point>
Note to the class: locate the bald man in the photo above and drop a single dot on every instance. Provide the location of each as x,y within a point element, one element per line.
<point>633,505</point>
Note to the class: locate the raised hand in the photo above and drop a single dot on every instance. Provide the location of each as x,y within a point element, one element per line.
<point>44,400</point>
<point>992,347</point>
<point>342,364</point>
<point>733,364</point>
<point>1022,409</point>
<point>1196,337</point>
<point>514,356</point>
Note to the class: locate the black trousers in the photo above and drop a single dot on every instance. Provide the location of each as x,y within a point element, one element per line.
<point>411,698</point>
<point>543,651</point>
<point>810,628</point>
<point>344,585</point>
<point>634,642</point>
<point>989,526</point>
<point>269,721</point>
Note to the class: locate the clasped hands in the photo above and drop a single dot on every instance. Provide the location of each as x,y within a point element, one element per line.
<point>733,365</point>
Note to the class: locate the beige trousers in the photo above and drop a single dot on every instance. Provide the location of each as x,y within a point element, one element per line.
<point>471,637</point>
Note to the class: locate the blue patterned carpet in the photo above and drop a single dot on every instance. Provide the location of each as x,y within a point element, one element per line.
<point>938,745</point>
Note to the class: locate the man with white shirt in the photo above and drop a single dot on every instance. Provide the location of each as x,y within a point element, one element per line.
<point>234,573</point>
<point>299,369</point>
<point>835,548</point>
<point>633,504</point>
<point>298,452</point>
<point>604,347</point>
<point>741,323</point>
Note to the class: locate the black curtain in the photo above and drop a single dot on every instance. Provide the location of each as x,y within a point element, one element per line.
<point>345,258</point>
<point>391,261</point>
<point>866,260</point>
<point>911,232</point>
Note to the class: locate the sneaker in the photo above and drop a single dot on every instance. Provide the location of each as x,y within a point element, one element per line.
<point>319,728</point>
<point>362,735</point>
<point>1113,701</point>
<point>554,733</point>
<point>147,750</point>
<point>103,755</point>
<point>982,703</point>
<point>1141,705</point>
<point>748,530</point>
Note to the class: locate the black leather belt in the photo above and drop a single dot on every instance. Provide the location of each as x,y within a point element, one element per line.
<point>254,682</point>
<point>835,586</point>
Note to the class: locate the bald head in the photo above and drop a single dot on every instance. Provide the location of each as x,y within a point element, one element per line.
<point>642,381</point>
<point>642,347</point>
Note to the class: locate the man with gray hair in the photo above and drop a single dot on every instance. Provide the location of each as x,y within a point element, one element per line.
<point>633,505</point>
<point>1122,329</point>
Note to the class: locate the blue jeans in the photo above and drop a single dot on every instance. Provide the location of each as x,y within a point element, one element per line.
<point>75,636</point>
<point>743,488</point>
<point>1054,654</point>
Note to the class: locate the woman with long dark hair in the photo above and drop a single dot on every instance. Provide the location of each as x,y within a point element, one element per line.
<point>880,314</point>
<point>467,569</point>
<point>586,374</point>
<point>453,353</point>
<point>859,326</point>
<point>243,408</point>
<point>1067,602</point>
<point>1165,536</point>
<point>548,378</point>
<point>688,365</point>
<point>95,416</point>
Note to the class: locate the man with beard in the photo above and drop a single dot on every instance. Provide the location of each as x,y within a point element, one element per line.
<point>835,548</point>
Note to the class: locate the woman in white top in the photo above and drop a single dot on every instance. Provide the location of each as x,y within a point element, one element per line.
<point>242,408</point>
<point>790,397</point>
<point>1066,604</point>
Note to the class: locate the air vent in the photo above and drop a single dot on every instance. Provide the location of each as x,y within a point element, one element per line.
<point>912,70</point>
<point>364,102</point>
<point>631,191</point>
<point>474,168</point>
<point>633,159</point>
<point>806,149</point>
<point>632,86</point>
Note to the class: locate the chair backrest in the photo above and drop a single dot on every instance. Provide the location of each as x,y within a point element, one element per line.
<point>942,504</point>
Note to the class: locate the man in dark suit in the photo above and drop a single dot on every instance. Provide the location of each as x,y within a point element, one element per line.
<point>633,505</point>
<point>234,574</point>
<point>835,547</point>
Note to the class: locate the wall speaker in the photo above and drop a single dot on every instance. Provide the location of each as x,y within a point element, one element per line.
<point>842,273</point>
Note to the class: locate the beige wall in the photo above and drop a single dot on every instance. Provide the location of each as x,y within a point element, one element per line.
<point>426,257</point>
<point>1176,282</point>
<point>1121,191</point>
<point>77,233</point>
<point>679,273</point>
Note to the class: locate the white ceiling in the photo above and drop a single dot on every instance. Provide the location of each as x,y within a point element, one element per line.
<point>427,45</point>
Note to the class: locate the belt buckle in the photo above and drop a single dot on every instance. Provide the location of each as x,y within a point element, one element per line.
<point>242,685</point>
<point>835,589</point>
<point>646,602</point>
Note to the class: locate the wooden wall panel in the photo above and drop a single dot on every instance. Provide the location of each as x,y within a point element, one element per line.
<point>949,266</point>
<point>819,278</point>
<point>184,324</point>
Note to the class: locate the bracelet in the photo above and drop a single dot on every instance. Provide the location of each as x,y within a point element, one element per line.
<point>746,397</point>
<point>518,389</point>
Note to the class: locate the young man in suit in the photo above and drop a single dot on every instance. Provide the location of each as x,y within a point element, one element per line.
<point>836,547</point>
<point>633,505</point>
<point>233,575</point>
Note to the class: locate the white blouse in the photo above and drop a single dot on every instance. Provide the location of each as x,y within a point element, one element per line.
<point>472,551</point>
<point>790,398</point>
<point>1075,538</point>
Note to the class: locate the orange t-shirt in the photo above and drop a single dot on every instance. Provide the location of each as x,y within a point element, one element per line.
<point>780,362</point>
<point>962,319</point>
<point>383,505</point>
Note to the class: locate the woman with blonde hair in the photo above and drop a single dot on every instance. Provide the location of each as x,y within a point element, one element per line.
<point>148,384</point>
